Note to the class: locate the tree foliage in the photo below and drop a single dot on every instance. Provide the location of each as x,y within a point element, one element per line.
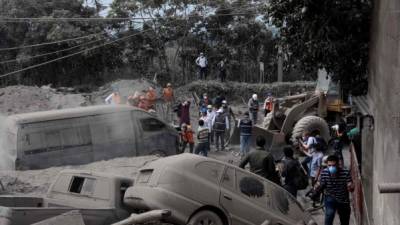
<point>326,34</point>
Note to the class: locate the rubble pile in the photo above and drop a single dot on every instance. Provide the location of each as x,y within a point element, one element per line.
<point>23,99</point>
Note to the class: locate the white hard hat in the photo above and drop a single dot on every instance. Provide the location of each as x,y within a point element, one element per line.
<point>254,96</point>
<point>224,102</point>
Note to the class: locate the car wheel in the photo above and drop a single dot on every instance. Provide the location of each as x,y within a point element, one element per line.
<point>205,217</point>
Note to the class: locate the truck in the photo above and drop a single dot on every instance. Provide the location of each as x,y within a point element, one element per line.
<point>82,135</point>
<point>97,196</point>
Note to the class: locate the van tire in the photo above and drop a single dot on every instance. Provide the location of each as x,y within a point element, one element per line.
<point>310,123</point>
<point>205,217</point>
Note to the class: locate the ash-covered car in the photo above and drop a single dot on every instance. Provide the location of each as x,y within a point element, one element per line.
<point>200,190</point>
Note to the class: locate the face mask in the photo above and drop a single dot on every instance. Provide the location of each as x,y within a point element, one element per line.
<point>332,169</point>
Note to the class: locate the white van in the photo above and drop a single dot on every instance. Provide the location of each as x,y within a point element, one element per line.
<point>83,135</point>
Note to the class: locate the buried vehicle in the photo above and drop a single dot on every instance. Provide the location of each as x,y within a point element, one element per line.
<point>200,190</point>
<point>83,135</point>
<point>98,197</point>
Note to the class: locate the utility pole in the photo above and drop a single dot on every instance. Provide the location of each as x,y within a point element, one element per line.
<point>280,64</point>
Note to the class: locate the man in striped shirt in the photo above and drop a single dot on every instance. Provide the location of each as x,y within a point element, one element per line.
<point>336,183</point>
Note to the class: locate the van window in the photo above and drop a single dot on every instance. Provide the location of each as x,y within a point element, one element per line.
<point>32,141</point>
<point>76,136</point>
<point>82,185</point>
<point>53,139</point>
<point>252,188</point>
<point>151,124</point>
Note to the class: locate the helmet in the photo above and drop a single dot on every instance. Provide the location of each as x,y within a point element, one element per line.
<point>254,96</point>
<point>184,125</point>
<point>209,107</point>
<point>224,102</point>
<point>169,85</point>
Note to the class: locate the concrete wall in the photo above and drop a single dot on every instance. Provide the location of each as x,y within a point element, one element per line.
<point>384,93</point>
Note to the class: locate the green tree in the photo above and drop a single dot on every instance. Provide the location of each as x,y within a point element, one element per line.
<point>326,34</point>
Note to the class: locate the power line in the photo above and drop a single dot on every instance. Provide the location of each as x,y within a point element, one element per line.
<point>49,43</point>
<point>44,19</point>
<point>51,53</point>
<point>73,54</point>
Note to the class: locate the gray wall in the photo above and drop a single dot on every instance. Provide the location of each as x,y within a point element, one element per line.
<point>384,93</point>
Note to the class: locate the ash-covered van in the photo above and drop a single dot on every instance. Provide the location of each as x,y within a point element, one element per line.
<point>83,135</point>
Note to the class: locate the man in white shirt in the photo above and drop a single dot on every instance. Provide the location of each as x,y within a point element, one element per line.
<point>202,63</point>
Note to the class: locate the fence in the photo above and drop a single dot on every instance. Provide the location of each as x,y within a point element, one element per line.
<point>358,201</point>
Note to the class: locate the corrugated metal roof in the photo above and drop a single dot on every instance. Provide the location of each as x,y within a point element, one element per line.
<point>362,104</point>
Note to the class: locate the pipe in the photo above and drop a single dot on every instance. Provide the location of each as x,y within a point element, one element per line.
<point>154,215</point>
<point>388,188</point>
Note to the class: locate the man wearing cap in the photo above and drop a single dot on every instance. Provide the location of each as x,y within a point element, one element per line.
<point>253,108</point>
<point>202,63</point>
<point>220,124</point>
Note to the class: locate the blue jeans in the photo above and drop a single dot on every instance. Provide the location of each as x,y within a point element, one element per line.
<point>245,144</point>
<point>331,206</point>
<point>203,148</point>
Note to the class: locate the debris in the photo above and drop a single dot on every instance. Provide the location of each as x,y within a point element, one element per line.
<point>72,217</point>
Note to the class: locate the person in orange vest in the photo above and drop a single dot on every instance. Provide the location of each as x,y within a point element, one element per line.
<point>151,97</point>
<point>187,137</point>
<point>114,98</point>
<point>168,95</point>
<point>268,104</point>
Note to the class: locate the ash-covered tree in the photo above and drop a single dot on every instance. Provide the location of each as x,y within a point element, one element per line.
<point>326,34</point>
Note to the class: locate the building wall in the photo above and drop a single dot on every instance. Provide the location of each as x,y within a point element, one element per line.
<point>384,93</point>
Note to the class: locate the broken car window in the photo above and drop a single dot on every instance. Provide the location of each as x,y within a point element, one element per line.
<point>151,124</point>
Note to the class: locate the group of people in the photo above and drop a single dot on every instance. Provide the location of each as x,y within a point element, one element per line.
<point>212,125</point>
<point>202,64</point>
<point>254,106</point>
<point>145,100</point>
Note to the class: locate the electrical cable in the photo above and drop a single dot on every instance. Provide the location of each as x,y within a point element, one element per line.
<point>51,53</point>
<point>73,54</point>
<point>50,43</point>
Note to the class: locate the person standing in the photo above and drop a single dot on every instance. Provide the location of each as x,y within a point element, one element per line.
<point>185,112</point>
<point>210,117</point>
<point>222,70</point>
<point>202,63</point>
<point>187,137</point>
<point>253,108</point>
<point>245,126</point>
<point>268,104</point>
<point>261,162</point>
<point>336,183</point>
<point>202,139</point>
<point>151,97</point>
<point>204,102</point>
<point>307,144</point>
<point>168,96</point>
<point>289,171</point>
<point>220,124</point>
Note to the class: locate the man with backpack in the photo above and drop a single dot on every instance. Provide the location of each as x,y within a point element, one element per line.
<point>292,173</point>
<point>220,124</point>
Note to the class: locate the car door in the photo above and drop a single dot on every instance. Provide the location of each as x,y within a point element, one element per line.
<point>245,198</point>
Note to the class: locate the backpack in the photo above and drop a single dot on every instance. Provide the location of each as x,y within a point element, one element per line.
<point>300,178</point>
<point>320,144</point>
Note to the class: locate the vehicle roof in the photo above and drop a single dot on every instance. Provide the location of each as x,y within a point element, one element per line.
<point>94,173</point>
<point>182,161</point>
<point>70,113</point>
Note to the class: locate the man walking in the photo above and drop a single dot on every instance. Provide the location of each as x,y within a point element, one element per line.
<point>261,162</point>
<point>202,139</point>
<point>289,171</point>
<point>336,183</point>
<point>220,124</point>
<point>253,108</point>
<point>245,126</point>
<point>187,137</point>
<point>307,145</point>
<point>202,63</point>
<point>168,95</point>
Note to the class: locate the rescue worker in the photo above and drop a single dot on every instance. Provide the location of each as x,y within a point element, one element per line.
<point>187,137</point>
<point>220,124</point>
<point>168,95</point>
<point>204,102</point>
<point>151,97</point>
<point>261,162</point>
<point>203,145</point>
<point>245,126</point>
<point>253,108</point>
<point>268,104</point>
<point>114,98</point>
